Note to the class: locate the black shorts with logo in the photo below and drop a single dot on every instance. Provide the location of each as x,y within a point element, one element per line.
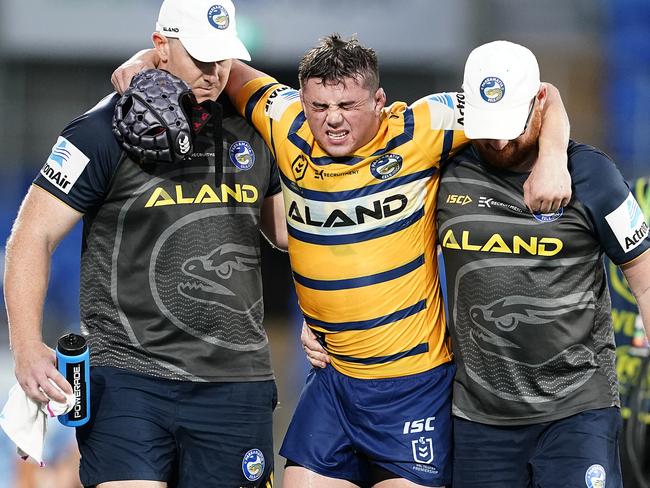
<point>186,433</point>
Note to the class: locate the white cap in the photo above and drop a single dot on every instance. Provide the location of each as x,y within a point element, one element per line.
<point>501,79</point>
<point>207,29</point>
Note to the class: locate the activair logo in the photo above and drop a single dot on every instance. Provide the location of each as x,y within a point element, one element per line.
<point>628,224</point>
<point>60,154</point>
<point>279,100</point>
<point>64,165</point>
<point>634,210</point>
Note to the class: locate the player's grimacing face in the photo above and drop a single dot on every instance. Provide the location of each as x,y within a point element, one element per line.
<point>344,116</point>
<point>207,80</point>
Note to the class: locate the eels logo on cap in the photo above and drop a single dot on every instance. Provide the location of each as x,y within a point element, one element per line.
<point>218,17</point>
<point>492,89</point>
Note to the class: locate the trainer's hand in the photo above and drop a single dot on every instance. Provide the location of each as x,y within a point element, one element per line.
<point>549,185</point>
<point>34,364</point>
<point>316,355</point>
<point>122,76</point>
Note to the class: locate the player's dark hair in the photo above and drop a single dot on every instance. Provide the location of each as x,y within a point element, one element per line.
<point>335,59</point>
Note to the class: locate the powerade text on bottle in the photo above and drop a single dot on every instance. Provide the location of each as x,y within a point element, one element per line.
<point>73,361</point>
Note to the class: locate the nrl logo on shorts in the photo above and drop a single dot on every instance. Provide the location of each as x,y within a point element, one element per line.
<point>423,450</point>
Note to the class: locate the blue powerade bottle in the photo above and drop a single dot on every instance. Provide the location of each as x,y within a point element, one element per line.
<point>73,362</point>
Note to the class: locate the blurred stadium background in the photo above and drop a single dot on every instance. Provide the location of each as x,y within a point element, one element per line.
<point>56,57</point>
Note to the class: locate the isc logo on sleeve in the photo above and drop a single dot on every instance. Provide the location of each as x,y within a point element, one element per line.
<point>65,165</point>
<point>628,224</point>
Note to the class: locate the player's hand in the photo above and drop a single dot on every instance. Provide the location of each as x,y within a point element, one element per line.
<point>549,185</point>
<point>316,355</point>
<point>122,76</point>
<point>35,366</point>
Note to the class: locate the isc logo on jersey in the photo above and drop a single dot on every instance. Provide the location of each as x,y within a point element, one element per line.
<point>65,165</point>
<point>628,224</point>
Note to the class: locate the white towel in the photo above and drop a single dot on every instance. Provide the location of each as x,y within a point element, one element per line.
<point>25,421</point>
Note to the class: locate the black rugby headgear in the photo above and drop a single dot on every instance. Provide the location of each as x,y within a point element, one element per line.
<point>152,120</point>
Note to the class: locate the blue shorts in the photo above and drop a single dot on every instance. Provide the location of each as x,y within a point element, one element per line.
<point>186,433</point>
<point>345,427</point>
<point>577,451</point>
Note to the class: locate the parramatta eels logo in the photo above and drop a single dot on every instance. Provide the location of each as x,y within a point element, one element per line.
<point>253,465</point>
<point>218,17</point>
<point>595,476</point>
<point>549,217</point>
<point>210,274</point>
<point>499,328</point>
<point>492,89</point>
<point>386,166</point>
<point>242,155</point>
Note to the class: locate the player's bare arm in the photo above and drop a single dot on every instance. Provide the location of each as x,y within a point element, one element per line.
<point>274,223</point>
<point>240,74</point>
<point>145,59</point>
<point>549,185</point>
<point>41,224</point>
<point>637,274</point>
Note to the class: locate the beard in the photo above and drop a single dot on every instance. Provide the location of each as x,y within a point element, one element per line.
<point>519,154</point>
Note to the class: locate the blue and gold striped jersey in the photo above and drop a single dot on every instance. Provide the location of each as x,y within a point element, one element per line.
<point>362,229</point>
